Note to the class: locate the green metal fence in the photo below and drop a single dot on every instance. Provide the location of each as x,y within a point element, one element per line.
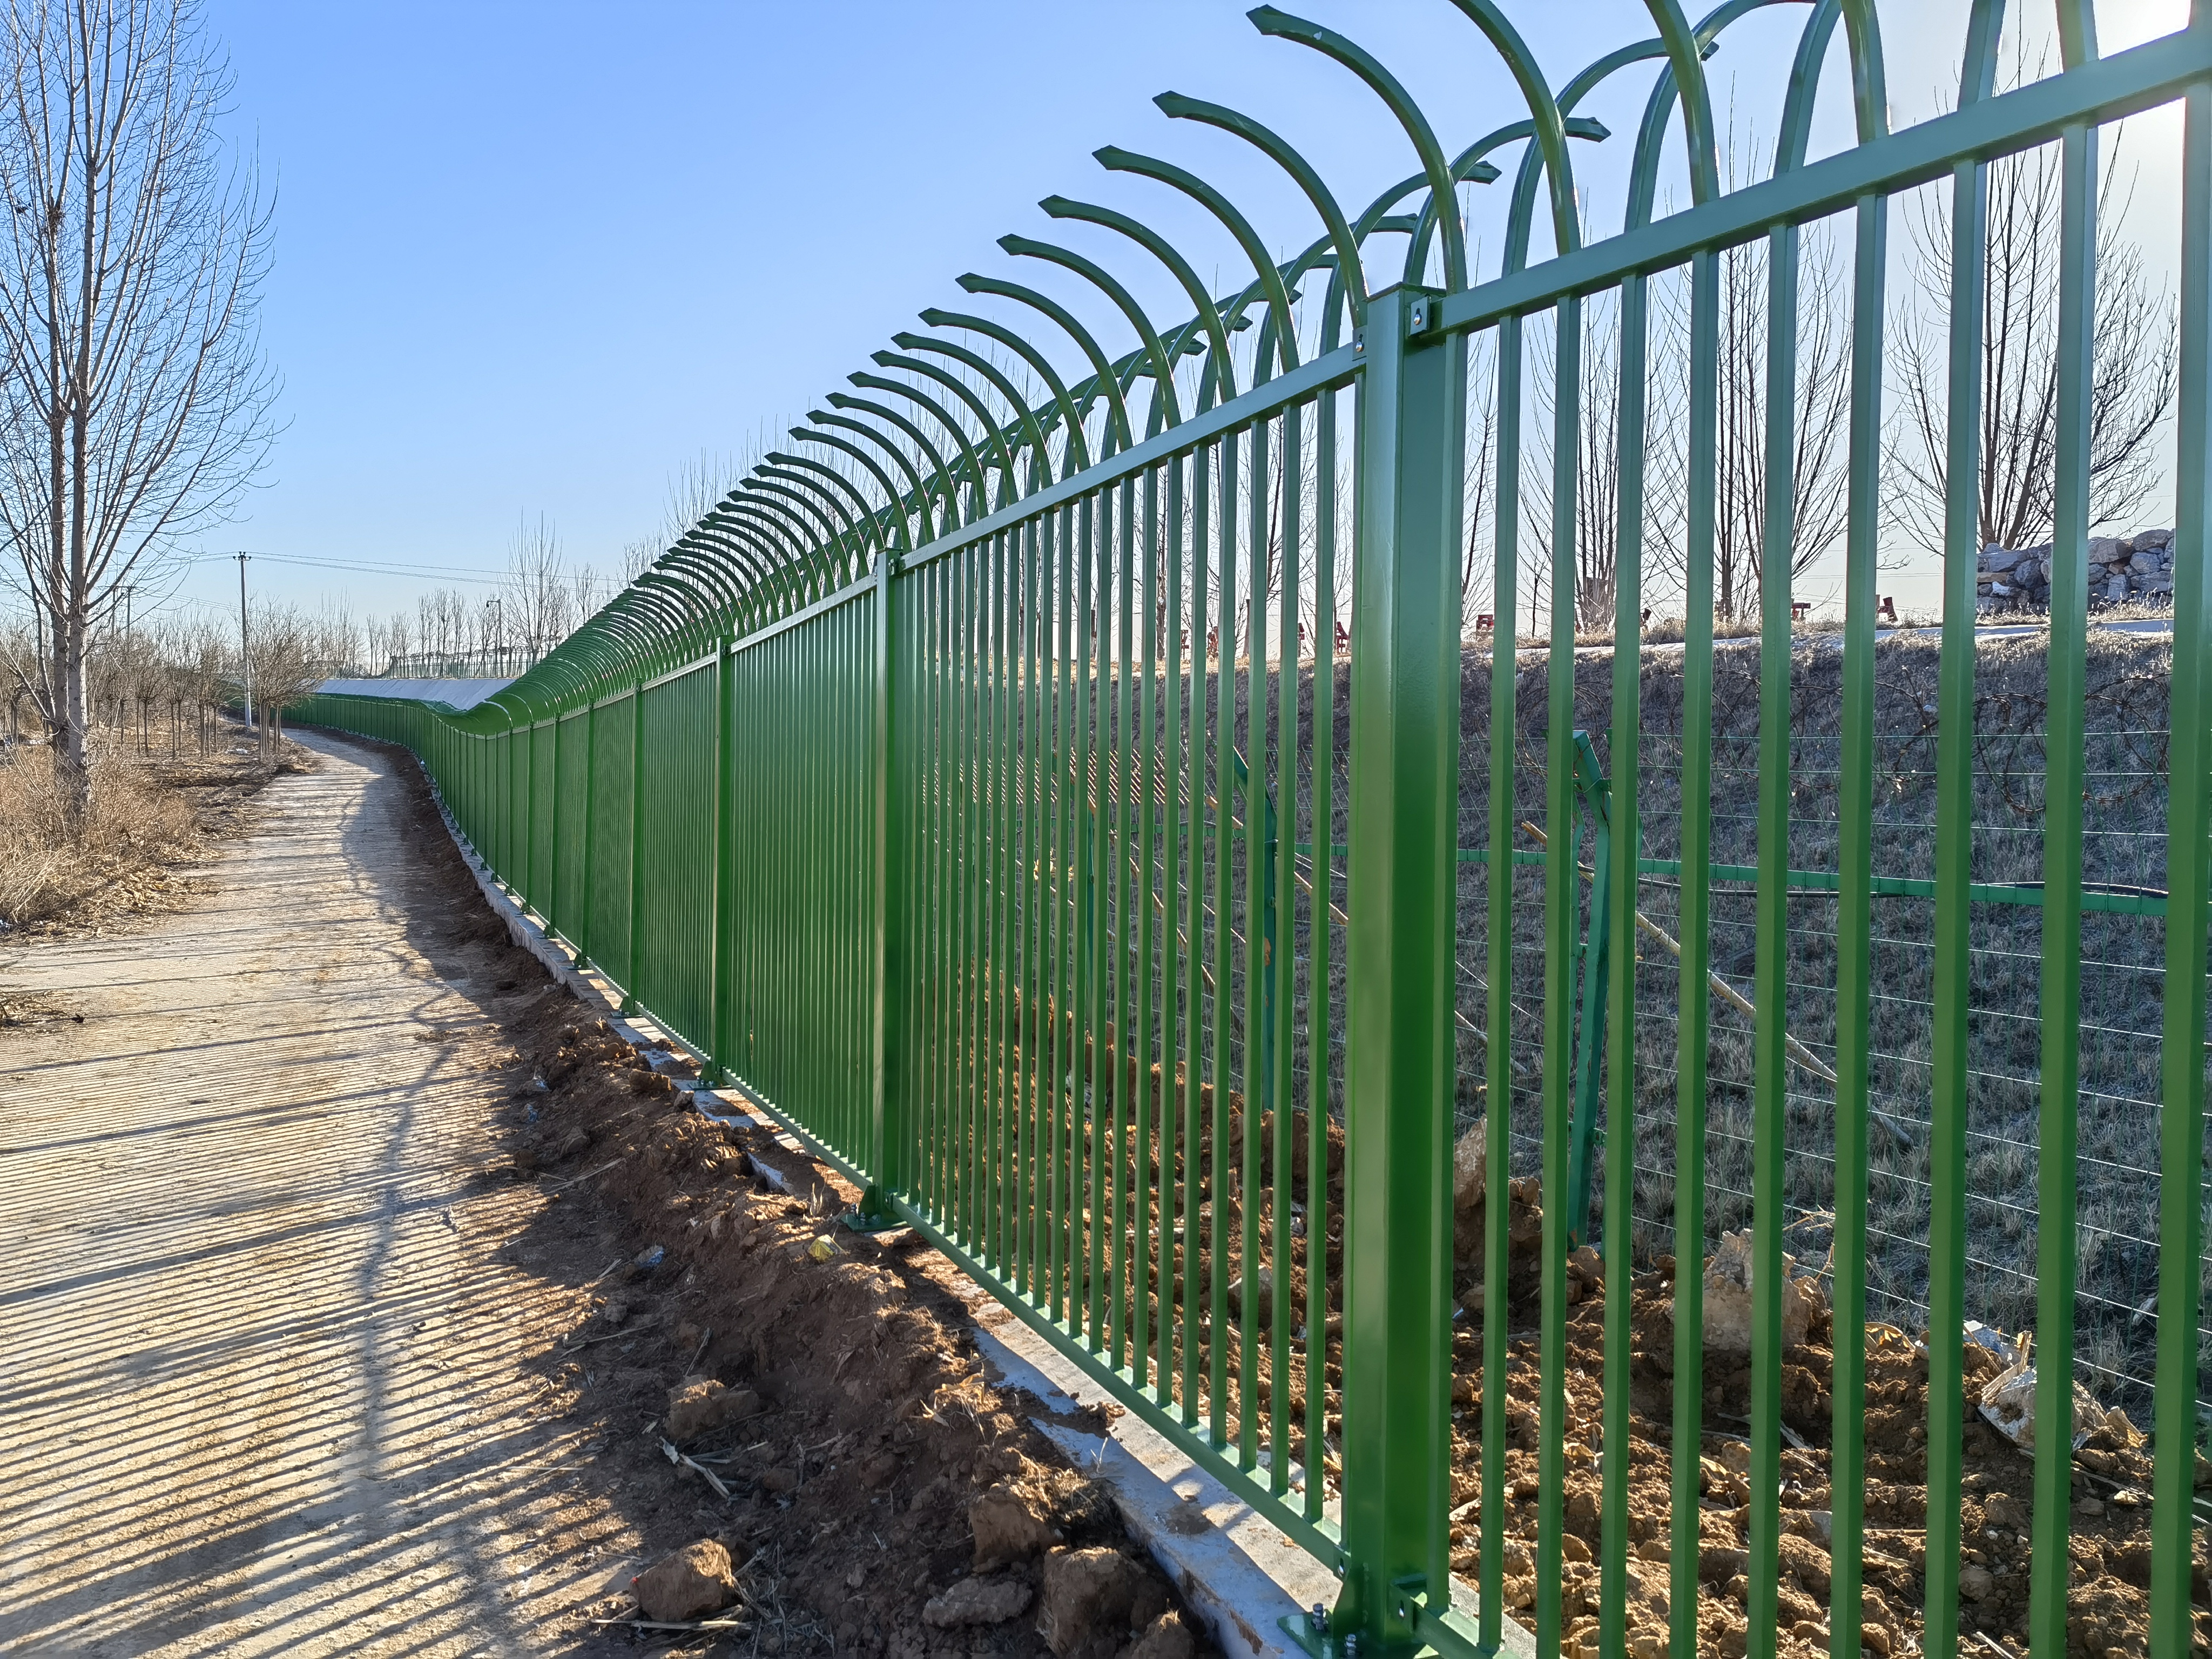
<point>1068,799</point>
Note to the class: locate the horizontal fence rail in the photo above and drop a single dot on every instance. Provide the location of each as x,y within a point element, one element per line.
<point>1158,823</point>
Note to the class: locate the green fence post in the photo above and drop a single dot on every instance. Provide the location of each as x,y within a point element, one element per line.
<point>722,1017</point>
<point>587,933</point>
<point>552,907</point>
<point>526,886</point>
<point>1399,1076</point>
<point>890,1131</point>
<point>631,1001</point>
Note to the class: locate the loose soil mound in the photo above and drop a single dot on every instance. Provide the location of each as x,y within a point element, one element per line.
<point>2108,1600</point>
<point>828,1380</point>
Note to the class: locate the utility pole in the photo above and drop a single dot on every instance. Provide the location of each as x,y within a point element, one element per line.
<point>245,660</point>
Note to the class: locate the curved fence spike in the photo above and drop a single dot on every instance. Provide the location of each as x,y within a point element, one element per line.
<point>1206,315</point>
<point>1110,285</point>
<point>1269,20</point>
<point>1115,159</point>
<point>1077,455</point>
<point>1102,381</point>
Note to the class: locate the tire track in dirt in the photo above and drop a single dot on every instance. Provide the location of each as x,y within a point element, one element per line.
<point>263,1336</point>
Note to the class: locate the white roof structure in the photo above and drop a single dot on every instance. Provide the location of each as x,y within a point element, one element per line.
<point>459,693</point>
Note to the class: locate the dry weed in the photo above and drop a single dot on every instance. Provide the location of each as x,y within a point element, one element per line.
<point>145,817</point>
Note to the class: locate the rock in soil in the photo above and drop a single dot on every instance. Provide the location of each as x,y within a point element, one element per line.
<point>1165,1638</point>
<point>700,1404</point>
<point>1093,1599</point>
<point>1011,1521</point>
<point>689,1585</point>
<point>1727,1299</point>
<point>977,1601</point>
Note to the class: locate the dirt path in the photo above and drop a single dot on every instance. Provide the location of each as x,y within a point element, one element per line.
<point>262,1327</point>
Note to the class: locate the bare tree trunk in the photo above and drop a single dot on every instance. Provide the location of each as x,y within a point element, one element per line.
<point>133,402</point>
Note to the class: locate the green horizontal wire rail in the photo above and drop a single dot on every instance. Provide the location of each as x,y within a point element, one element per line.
<point>954,789</point>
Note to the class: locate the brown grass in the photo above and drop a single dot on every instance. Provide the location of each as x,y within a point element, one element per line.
<point>150,818</point>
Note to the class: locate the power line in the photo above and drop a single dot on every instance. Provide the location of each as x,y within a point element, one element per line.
<point>421,571</point>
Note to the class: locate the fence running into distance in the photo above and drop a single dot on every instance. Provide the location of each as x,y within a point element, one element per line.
<point>1055,810</point>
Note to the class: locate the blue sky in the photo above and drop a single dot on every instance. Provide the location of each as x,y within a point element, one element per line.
<point>530,258</point>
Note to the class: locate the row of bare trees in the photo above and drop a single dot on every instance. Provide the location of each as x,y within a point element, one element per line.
<point>542,597</point>
<point>2132,398</point>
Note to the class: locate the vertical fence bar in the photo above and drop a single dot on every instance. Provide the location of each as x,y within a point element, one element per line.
<point>2061,987</point>
<point>1321,1013</point>
<point>1855,930</point>
<point>631,1001</point>
<point>1404,748</point>
<point>1126,1047</point>
<point>1147,890</point>
<point>1193,823</point>
<point>1255,1050</point>
<point>721,1022</point>
<point>1174,949</point>
<point>1777,550</point>
<point>1947,1159</point>
<point>1497,964</point>
<point>1695,995</point>
<point>1282,866</point>
<point>1620,1055</point>
<point>889,1128</point>
<point>1037,1036</point>
<point>2189,816</point>
<point>1561,892</point>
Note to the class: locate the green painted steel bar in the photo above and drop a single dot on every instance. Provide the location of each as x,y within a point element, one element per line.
<point>1006,862</point>
<point>1695,1005</point>
<point>1094,768</point>
<point>1399,1086</point>
<point>1949,1106</point>
<point>636,872</point>
<point>1222,645</point>
<point>1777,550</point>
<point>1617,896</point>
<point>1320,1014</point>
<point>1255,1050</point>
<point>2189,882</point>
<point>1174,943</point>
<point>890,1135</point>
<point>1854,930</point>
<point>1036,929</point>
<point>972,1135</point>
<point>723,783</point>
<point>1127,1050</point>
<point>1282,946</point>
<point>1196,1141</point>
<point>1145,1063</point>
<point>1060,1072</point>
<point>2060,986</point>
<point>1498,1070</point>
<point>1562,888</point>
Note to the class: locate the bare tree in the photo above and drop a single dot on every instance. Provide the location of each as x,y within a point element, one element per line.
<point>134,403</point>
<point>1820,449</point>
<point>2131,386</point>
<point>537,606</point>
